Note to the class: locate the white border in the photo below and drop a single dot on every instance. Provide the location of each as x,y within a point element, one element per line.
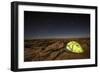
<point>22,64</point>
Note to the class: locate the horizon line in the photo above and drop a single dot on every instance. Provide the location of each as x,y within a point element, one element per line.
<point>56,38</point>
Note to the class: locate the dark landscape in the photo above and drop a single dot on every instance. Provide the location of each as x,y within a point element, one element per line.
<point>54,49</point>
<point>46,35</point>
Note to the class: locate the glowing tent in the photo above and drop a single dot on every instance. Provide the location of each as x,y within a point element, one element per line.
<point>75,47</point>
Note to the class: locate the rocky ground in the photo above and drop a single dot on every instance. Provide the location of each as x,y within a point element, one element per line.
<point>54,49</point>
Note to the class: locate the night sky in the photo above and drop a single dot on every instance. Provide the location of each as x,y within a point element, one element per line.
<point>55,25</point>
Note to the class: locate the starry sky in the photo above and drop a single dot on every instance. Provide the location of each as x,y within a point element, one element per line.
<point>55,25</point>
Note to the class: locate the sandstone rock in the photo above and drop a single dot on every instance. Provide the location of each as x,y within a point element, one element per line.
<point>55,46</point>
